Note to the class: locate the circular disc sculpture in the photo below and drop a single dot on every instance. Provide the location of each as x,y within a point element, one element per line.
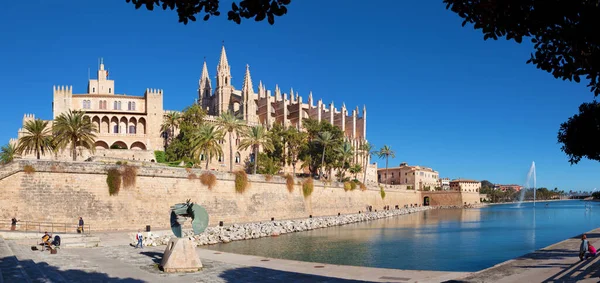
<point>180,254</point>
<point>181,211</point>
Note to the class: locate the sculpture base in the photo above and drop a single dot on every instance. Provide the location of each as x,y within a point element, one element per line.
<point>180,256</point>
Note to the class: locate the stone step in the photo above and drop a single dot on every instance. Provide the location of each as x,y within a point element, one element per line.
<point>12,270</point>
<point>29,266</point>
<point>66,242</point>
<point>44,272</point>
<point>81,242</point>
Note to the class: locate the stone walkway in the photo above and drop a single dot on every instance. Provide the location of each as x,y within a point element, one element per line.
<point>556,263</point>
<point>127,264</point>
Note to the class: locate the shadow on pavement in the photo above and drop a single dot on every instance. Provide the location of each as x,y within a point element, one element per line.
<point>156,256</point>
<point>54,274</point>
<point>577,271</point>
<point>259,274</point>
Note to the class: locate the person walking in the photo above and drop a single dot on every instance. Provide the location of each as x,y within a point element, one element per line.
<point>80,226</point>
<point>140,238</point>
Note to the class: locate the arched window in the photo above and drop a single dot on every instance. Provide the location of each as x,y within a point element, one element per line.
<point>115,106</point>
<point>119,105</point>
<point>133,106</point>
<point>132,129</point>
<point>237,157</point>
<point>109,90</point>
<point>129,105</point>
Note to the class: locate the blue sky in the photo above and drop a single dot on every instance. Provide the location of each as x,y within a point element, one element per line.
<point>435,92</point>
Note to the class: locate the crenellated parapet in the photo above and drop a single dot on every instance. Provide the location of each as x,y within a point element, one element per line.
<point>63,90</point>
<point>153,91</point>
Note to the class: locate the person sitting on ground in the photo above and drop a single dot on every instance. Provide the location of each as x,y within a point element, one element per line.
<point>45,240</point>
<point>591,251</point>
<point>56,241</point>
<point>583,247</point>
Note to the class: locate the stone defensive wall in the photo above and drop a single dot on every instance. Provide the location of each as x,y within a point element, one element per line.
<point>57,191</point>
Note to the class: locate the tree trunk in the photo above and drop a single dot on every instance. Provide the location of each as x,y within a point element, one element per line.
<point>255,149</point>
<point>206,162</point>
<point>386,167</point>
<point>365,169</point>
<point>230,153</point>
<point>74,149</point>
<point>294,168</point>
<point>38,154</point>
<point>322,164</point>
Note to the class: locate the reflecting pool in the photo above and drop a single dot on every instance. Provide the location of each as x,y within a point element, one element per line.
<point>450,239</point>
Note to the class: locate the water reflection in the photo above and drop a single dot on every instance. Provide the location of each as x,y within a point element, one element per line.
<point>456,240</point>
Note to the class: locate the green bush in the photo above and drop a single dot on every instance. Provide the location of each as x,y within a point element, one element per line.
<point>241,181</point>
<point>352,186</point>
<point>410,188</point>
<point>159,155</point>
<point>382,192</point>
<point>347,186</point>
<point>116,146</point>
<point>307,187</point>
<point>113,180</point>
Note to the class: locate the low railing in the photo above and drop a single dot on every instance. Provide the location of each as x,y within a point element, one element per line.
<point>41,227</point>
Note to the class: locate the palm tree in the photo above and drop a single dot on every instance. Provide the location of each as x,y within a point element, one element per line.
<point>37,138</point>
<point>256,137</point>
<point>366,150</point>
<point>73,127</point>
<point>229,123</point>
<point>345,152</point>
<point>386,152</point>
<point>325,139</point>
<point>205,140</point>
<point>7,153</point>
<point>355,169</point>
<point>170,123</point>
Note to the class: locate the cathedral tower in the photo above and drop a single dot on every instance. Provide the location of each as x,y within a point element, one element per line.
<point>249,105</point>
<point>204,89</point>
<point>224,88</point>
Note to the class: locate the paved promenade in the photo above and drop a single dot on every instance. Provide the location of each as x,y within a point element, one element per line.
<point>126,264</point>
<point>556,263</point>
<point>116,261</point>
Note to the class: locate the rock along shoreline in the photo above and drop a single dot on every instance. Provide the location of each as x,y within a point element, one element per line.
<point>237,232</point>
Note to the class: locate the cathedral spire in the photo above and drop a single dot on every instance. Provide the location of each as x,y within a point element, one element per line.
<point>223,60</point>
<point>204,85</point>
<point>247,87</point>
<point>223,71</point>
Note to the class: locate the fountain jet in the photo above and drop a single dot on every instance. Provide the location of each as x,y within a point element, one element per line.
<point>529,183</point>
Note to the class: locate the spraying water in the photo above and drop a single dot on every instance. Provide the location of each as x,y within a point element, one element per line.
<point>529,184</point>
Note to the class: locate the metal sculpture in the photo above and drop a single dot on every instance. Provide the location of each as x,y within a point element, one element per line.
<point>180,213</point>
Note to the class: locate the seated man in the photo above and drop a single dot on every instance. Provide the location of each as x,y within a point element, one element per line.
<point>46,240</point>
